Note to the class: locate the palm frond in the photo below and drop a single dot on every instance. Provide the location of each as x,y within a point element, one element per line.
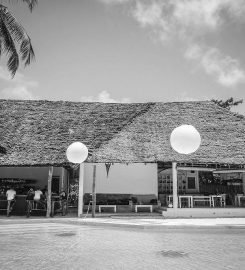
<point>14,41</point>
<point>16,30</point>
<point>20,36</point>
<point>0,46</point>
<point>31,3</point>
<point>13,63</point>
<point>8,45</point>
<point>27,52</point>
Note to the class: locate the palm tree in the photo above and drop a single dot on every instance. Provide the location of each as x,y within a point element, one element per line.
<point>230,102</point>
<point>15,43</point>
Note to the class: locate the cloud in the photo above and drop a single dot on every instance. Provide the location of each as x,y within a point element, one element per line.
<point>4,74</point>
<point>191,21</point>
<point>19,87</point>
<point>225,69</point>
<point>19,92</point>
<point>113,2</point>
<point>154,16</point>
<point>203,13</point>
<point>186,16</point>
<point>184,97</point>
<point>183,16</point>
<point>148,14</point>
<point>104,97</point>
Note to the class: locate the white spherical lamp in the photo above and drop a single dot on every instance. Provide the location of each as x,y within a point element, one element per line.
<point>77,152</point>
<point>185,139</point>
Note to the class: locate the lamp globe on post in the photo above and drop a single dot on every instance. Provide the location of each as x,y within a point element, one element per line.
<point>77,153</point>
<point>184,139</point>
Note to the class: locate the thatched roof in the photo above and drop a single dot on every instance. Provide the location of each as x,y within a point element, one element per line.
<point>37,133</point>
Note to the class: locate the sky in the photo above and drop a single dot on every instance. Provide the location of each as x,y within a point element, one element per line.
<point>131,51</point>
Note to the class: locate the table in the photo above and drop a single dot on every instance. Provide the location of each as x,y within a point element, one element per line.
<point>189,200</point>
<point>107,206</point>
<point>169,199</point>
<point>238,199</point>
<point>221,197</point>
<point>202,198</point>
<point>62,207</point>
<point>143,206</point>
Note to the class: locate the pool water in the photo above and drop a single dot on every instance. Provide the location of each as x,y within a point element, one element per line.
<point>70,246</point>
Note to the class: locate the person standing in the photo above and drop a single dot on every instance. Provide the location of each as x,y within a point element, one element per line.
<point>37,197</point>
<point>11,193</point>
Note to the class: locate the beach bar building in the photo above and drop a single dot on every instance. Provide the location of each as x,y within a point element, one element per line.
<point>130,146</point>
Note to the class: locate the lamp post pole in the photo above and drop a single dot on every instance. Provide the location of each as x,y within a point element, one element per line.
<point>80,193</point>
<point>94,192</point>
<point>175,186</point>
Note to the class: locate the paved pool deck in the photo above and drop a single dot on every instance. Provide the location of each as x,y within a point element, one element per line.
<point>148,223</point>
<point>145,223</point>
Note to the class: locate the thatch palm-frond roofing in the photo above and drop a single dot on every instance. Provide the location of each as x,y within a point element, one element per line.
<point>147,138</point>
<point>37,133</point>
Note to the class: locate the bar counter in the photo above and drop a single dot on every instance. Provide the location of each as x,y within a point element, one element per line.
<point>19,208</point>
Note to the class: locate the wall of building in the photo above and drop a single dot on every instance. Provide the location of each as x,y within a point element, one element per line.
<point>40,174</point>
<point>165,179</point>
<point>137,178</point>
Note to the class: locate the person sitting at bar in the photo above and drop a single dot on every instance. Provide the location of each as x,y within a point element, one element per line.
<point>30,195</point>
<point>63,199</point>
<point>11,193</point>
<point>37,197</point>
<point>3,199</point>
<point>29,198</point>
<point>2,195</point>
<point>45,192</point>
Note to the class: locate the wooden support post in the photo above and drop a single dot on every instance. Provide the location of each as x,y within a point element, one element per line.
<point>80,194</point>
<point>175,186</point>
<point>94,192</point>
<point>62,184</point>
<point>50,174</point>
<point>243,182</point>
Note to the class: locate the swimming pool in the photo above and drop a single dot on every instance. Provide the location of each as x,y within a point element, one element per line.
<point>70,246</point>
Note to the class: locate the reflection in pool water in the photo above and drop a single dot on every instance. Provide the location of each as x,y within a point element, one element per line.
<point>66,234</point>
<point>173,253</point>
<point>68,246</point>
